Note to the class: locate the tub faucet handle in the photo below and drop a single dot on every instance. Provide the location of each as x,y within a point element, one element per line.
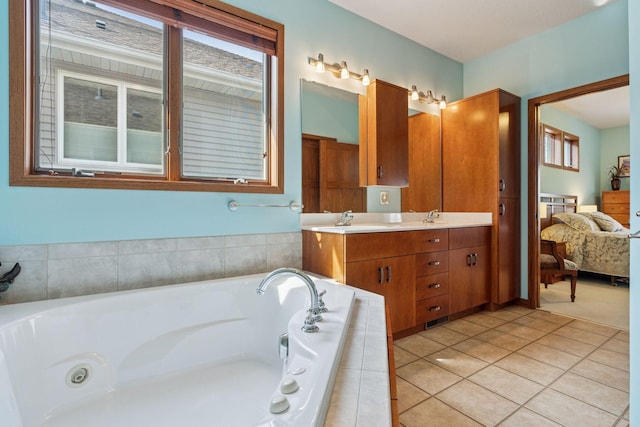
<point>310,322</point>
<point>322,308</point>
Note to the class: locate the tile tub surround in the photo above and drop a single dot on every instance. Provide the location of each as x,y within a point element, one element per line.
<point>72,269</point>
<point>514,367</point>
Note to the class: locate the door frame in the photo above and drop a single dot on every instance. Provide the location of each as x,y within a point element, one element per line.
<point>534,171</point>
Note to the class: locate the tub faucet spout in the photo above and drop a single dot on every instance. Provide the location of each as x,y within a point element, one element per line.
<point>313,315</point>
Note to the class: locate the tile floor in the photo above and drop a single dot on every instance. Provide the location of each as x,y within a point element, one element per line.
<point>514,367</point>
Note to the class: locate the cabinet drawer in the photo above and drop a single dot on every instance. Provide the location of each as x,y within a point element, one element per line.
<point>469,237</point>
<point>431,240</point>
<point>615,197</point>
<point>432,286</point>
<point>432,308</point>
<point>619,208</point>
<point>378,245</point>
<point>432,263</point>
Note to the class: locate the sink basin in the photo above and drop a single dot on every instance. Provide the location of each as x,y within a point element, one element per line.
<point>354,228</point>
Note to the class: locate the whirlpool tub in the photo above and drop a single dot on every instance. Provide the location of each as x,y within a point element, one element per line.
<point>200,354</point>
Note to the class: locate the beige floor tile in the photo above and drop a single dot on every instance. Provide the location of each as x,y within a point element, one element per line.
<point>622,423</point>
<point>611,358</point>
<point>537,323</point>
<point>477,402</point>
<point>561,359</point>
<point>518,309</point>
<point>456,361</point>
<point>568,411</point>
<point>617,346</point>
<point>594,327</point>
<point>626,414</point>
<point>467,328</point>
<point>482,318</point>
<point>521,331</point>
<point>566,344</point>
<point>622,336</point>
<point>607,375</point>
<point>402,356</point>
<point>506,315</point>
<point>507,341</point>
<point>557,318</point>
<point>526,418</point>
<point>409,395</point>
<point>482,350</point>
<point>427,376</point>
<point>595,394</point>
<point>434,413</point>
<point>506,384</point>
<point>529,368</point>
<point>443,335</point>
<point>581,335</point>
<point>418,345</point>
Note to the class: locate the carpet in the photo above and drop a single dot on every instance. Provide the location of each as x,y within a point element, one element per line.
<point>596,301</point>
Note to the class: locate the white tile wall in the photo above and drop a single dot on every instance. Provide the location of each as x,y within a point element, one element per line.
<point>63,270</point>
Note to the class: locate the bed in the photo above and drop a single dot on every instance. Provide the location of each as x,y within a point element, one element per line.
<point>594,241</point>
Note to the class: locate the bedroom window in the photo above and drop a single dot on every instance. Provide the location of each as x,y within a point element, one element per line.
<point>560,149</point>
<point>164,95</point>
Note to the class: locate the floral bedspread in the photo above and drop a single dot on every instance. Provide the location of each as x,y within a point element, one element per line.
<point>604,252</point>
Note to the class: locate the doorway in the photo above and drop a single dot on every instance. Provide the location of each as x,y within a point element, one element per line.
<point>534,157</point>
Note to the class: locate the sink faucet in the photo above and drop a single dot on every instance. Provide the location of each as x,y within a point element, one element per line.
<point>431,216</point>
<point>313,313</point>
<point>345,218</point>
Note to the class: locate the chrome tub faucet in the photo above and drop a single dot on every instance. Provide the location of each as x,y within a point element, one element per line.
<point>345,218</point>
<point>313,313</point>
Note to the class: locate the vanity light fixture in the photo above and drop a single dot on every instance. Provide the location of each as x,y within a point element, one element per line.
<point>344,71</point>
<point>341,71</point>
<point>428,97</point>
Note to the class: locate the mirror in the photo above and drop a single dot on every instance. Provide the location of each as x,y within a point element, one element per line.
<point>330,134</point>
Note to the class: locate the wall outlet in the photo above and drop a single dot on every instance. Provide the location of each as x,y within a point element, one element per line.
<point>384,197</point>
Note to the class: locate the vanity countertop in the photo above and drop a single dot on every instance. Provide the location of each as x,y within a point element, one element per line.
<point>380,223</point>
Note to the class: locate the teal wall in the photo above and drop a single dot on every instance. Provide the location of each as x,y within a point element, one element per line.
<point>50,215</point>
<point>586,183</point>
<point>615,142</point>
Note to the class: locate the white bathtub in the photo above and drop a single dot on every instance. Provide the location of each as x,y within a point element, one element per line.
<point>198,354</point>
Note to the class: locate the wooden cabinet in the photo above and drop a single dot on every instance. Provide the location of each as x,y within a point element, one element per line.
<point>424,192</point>
<point>383,129</point>
<point>616,205</point>
<point>432,275</point>
<point>481,173</point>
<point>469,268</point>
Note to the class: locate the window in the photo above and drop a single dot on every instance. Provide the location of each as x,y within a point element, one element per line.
<point>560,149</point>
<point>169,95</point>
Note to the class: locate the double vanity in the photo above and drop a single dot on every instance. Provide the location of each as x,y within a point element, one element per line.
<point>426,271</point>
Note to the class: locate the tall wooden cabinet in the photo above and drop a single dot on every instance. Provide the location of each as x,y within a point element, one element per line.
<point>481,173</point>
<point>383,130</point>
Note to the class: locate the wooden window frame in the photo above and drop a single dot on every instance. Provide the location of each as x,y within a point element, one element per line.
<point>562,138</point>
<point>232,20</point>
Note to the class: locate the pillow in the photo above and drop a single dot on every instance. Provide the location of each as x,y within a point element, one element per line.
<point>604,221</point>
<point>577,221</point>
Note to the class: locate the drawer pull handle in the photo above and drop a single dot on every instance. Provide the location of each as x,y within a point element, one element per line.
<point>434,286</point>
<point>434,262</point>
<point>435,308</point>
<point>388,274</point>
<point>381,273</point>
<point>436,240</point>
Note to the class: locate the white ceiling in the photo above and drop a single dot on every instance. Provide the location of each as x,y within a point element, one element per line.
<point>468,29</point>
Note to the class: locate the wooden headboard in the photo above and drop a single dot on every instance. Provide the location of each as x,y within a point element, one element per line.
<point>555,203</point>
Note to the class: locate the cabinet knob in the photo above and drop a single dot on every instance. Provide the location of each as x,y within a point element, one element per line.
<point>436,240</point>
<point>502,209</point>
<point>434,286</point>
<point>380,171</point>
<point>388,274</point>
<point>434,262</point>
<point>435,308</point>
<point>381,275</point>
<point>502,185</point>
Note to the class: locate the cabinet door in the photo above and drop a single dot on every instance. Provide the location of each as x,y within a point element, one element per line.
<point>393,278</point>
<point>508,286</point>
<point>469,270</point>
<point>384,140</point>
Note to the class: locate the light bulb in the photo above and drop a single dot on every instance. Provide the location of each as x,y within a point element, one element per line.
<point>443,103</point>
<point>365,78</point>
<point>344,71</point>
<point>320,63</point>
<point>414,93</point>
